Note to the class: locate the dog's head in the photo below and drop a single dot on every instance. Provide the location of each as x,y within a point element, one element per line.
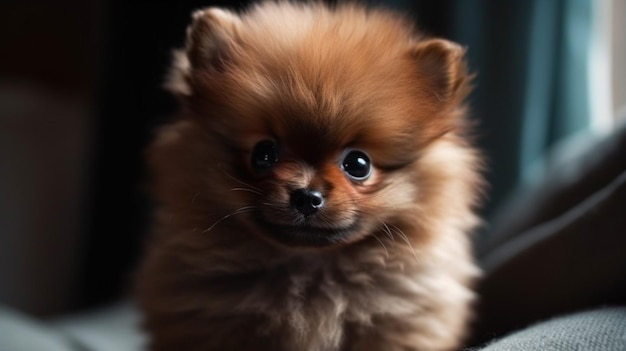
<point>315,121</point>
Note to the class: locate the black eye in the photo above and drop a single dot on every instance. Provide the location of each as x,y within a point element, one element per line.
<point>264,154</point>
<point>357,164</point>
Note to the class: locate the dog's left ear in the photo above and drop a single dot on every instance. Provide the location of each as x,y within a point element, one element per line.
<point>441,65</point>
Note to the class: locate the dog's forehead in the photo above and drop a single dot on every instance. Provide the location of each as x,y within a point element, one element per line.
<point>321,93</point>
<point>315,135</point>
<point>327,60</point>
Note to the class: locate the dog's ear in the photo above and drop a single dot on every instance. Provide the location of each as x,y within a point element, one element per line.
<point>210,37</point>
<point>441,65</point>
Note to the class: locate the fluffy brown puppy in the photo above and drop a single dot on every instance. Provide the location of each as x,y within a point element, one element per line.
<point>316,192</point>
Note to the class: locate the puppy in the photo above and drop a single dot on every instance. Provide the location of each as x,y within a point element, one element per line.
<point>316,191</point>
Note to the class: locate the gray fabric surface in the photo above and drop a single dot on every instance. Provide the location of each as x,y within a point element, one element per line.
<point>19,333</point>
<point>597,330</point>
<point>115,329</point>
<point>112,329</point>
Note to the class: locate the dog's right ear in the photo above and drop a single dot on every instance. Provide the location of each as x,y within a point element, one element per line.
<point>210,37</point>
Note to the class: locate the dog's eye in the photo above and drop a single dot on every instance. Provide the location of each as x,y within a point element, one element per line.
<point>356,164</point>
<point>264,154</point>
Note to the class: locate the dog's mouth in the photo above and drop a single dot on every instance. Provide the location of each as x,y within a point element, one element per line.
<point>307,235</point>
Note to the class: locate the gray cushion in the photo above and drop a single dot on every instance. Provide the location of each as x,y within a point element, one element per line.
<point>19,333</point>
<point>598,330</point>
<point>111,329</point>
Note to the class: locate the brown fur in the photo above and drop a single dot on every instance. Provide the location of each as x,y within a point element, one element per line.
<point>318,81</point>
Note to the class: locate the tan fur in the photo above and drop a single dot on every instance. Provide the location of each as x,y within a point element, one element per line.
<point>318,81</point>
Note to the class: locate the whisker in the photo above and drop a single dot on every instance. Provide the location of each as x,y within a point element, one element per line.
<point>248,190</point>
<point>406,240</point>
<point>269,204</point>
<point>240,210</point>
<point>388,231</point>
<point>381,244</point>
<point>237,180</point>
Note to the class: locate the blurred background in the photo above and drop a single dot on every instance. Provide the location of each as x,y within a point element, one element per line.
<point>80,94</point>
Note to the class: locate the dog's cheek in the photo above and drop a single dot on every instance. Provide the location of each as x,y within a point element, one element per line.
<point>341,206</point>
<point>397,193</point>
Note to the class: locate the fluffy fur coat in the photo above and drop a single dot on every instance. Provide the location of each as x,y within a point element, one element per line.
<point>318,81</point>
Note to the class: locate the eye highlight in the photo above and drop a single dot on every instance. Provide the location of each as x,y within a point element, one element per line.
<point>356,164</point>
<point>264,154</point>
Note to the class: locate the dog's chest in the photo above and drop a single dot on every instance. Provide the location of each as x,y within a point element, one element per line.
<point>310,302</point>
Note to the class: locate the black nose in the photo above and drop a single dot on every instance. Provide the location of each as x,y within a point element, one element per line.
<point>307,201</point>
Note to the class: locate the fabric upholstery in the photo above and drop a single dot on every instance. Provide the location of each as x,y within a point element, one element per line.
<point>597,330</point>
